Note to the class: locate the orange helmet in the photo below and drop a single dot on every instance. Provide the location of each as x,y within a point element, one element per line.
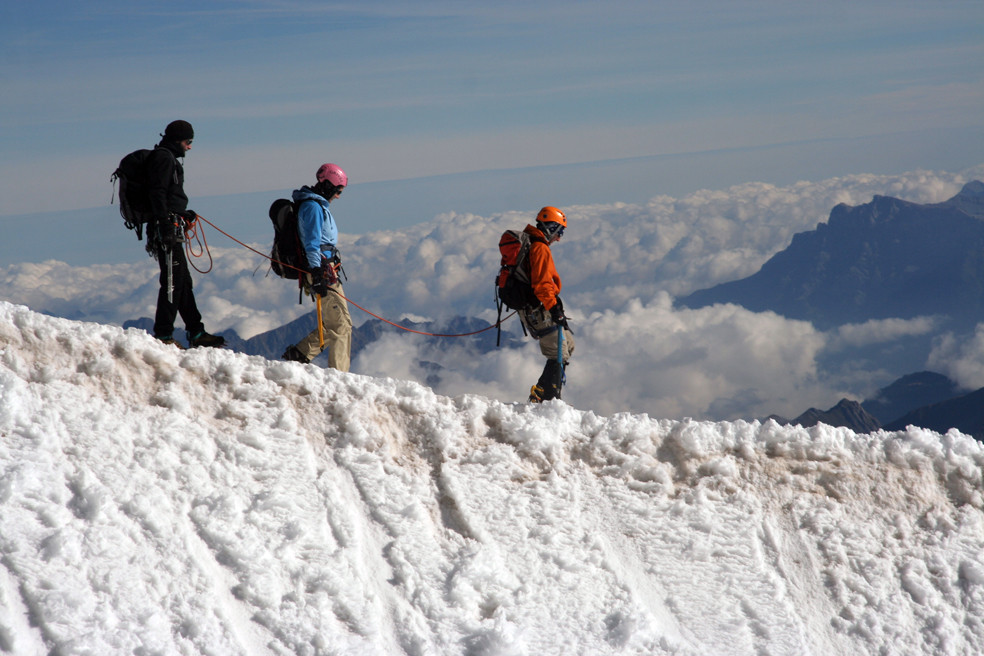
<point>550,214</point>
<point>551,223</point>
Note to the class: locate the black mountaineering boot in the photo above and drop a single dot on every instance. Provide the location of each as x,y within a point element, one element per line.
<point>293,354</point>
<point>551,380</point>
<point>204,339</point>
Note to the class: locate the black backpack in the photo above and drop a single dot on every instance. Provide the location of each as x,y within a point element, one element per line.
<point>135,189</point>
<point>287,256</point>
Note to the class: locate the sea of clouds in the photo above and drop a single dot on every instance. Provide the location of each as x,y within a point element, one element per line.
<point>622,266</point>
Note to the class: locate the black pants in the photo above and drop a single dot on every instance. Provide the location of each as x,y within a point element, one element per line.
<point>183,298</point>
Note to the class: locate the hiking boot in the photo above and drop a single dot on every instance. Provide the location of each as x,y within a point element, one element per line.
<point>536,394</point>
<point>293,354</point>
<point>551,380</point>
<point>170,341</point>
<point>204,339</point>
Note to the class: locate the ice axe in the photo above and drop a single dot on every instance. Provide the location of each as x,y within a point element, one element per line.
<point>560,347</point>
<point>560,354</point>
<point>321,326</point>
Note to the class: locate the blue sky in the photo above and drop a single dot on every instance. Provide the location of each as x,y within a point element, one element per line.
<point>396,91</point>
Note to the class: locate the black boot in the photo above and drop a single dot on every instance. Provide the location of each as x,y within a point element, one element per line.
<point>551,380</point>
<point>293,354</point>
<point>204,339</point>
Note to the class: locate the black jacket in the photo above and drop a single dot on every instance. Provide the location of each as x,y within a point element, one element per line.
<point>166,178</point>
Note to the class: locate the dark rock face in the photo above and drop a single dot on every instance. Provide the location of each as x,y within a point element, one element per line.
<point>846,413</point>
<point>909,393</point>
<point>965,413</point>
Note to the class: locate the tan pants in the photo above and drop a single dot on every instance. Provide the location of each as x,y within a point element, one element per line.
<point>542,328</point>
<point>337,325</point>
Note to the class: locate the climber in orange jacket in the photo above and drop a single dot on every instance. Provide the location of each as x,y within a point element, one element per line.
<point>543,321</point>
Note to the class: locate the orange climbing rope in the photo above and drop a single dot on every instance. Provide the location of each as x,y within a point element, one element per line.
<point>192,231</point>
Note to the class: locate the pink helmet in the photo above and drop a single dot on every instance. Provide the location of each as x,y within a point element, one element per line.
<point>333,174</point>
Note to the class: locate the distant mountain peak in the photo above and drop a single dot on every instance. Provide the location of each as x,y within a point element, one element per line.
<point>972,188</point>
<point>846,413</point>
<point>908,393</point>
<point>970,199</point>
<point>965,413</point>
<point>885,259</point>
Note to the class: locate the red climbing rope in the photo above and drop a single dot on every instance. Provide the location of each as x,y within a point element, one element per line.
<point>194,230</point>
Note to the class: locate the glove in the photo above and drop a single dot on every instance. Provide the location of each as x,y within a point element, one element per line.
<point>319,283</point>
<point>557,315</point>
<point>190,216</point>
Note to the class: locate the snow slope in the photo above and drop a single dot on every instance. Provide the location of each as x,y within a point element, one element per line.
<point>204,502</point>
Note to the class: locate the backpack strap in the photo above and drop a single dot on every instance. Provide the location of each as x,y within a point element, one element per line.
<point>297,217</point>
<point>498,318</point>
<point>522,260</point>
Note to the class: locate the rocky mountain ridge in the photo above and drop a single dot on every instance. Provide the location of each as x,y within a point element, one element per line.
<point>885,259</point>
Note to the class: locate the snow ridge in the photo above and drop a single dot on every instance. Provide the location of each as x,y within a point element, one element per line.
<point>154,501</point>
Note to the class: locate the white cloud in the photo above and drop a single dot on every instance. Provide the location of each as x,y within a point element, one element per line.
<point>960,357</point>
<point>881,330</point>
<point>712,363</point>
<point>722,361</point>
<point>100,292</point>
<point>234,294</point>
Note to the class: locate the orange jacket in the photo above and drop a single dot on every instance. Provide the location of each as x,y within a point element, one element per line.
<point>543,274</point>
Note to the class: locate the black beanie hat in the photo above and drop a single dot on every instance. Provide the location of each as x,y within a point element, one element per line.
<point>179,131</point>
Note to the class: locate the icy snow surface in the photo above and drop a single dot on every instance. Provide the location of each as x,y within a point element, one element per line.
<point>154,501</point>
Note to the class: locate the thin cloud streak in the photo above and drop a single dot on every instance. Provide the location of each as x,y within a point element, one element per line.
<point>492,87</point>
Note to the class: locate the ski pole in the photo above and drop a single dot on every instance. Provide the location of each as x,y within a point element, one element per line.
<point>321,326</point>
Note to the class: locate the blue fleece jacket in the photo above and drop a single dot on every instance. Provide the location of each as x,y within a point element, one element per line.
<point>315,225</point>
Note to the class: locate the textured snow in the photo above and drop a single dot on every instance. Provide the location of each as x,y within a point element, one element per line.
<point>154,501</point>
